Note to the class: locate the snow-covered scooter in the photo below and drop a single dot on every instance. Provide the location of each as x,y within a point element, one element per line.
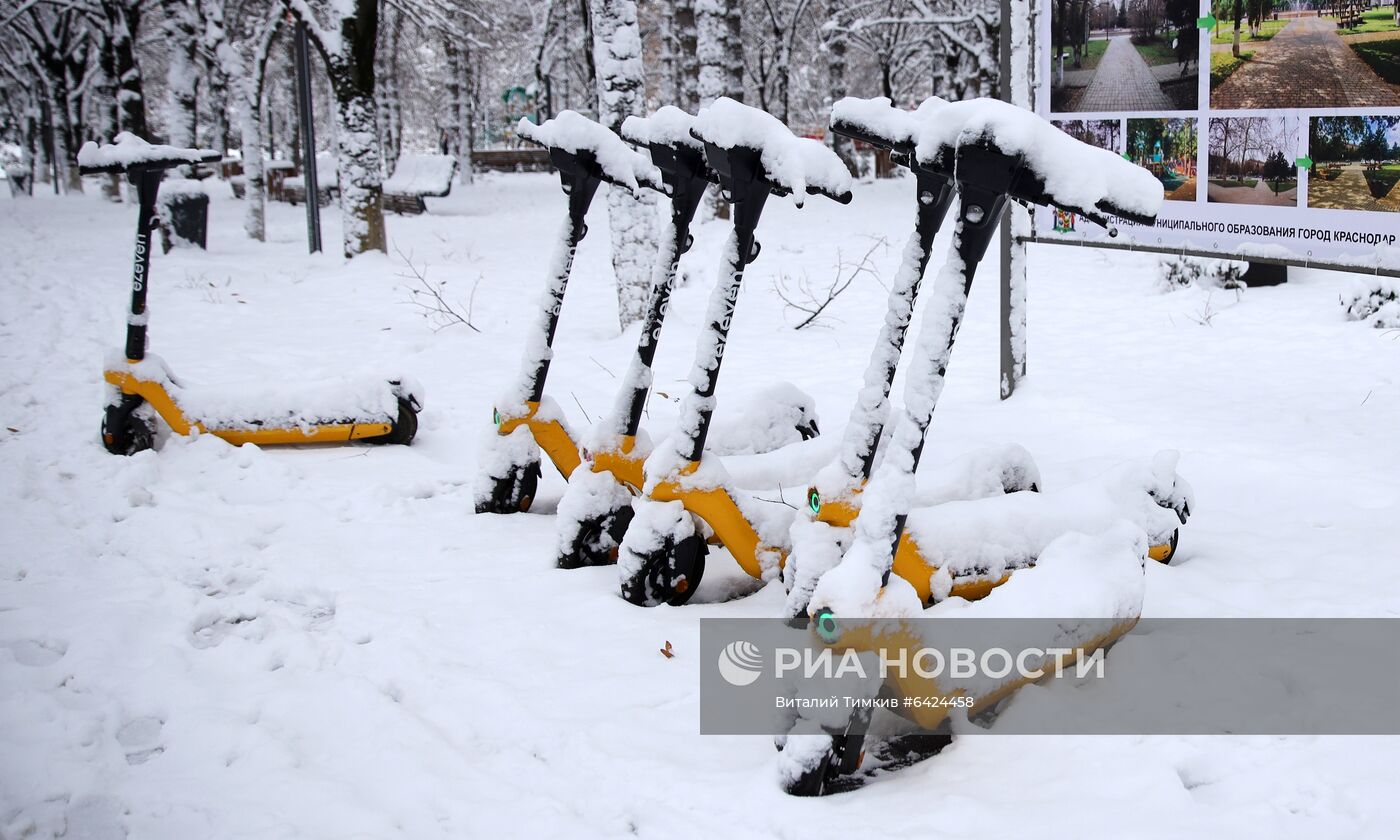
<point>374,410</point>
<point>833,499</point>
<point>662,555</point>
<point>586,155</point>
<point>597,506</point>
<point>998,152</point>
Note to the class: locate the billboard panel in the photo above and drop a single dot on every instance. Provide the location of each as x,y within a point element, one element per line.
<point>1279,137</point>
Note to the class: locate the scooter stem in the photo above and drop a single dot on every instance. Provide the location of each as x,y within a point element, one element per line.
<point>979,215</point>
<point>935,195</point>
<point>580,189</point>
<point>685,199</point>
<point>147,183</point>
<point>739,253</point>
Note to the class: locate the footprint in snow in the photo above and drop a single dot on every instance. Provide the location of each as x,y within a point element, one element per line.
<point>140,739</point>
<point>38,654</point>
<point>210,629</point>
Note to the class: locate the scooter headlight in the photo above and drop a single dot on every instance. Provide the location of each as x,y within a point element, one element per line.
<point>828,628</point>
<point>814,501</point>
<point>496,417</point>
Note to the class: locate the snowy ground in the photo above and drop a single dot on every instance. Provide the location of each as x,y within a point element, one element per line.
<point>205,641</point>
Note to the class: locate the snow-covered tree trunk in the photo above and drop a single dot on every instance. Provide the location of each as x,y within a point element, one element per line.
<point>459,96</point>
<point>712,76</point>
<point>182,32</point>
<point>687,59</point>
<point>833,47</point>
<point>617,41</point>
<point>388,94</point>
<point>711,48</point>
<point>670,53</point>
<point>65,145</point>
<point>215,76</point>
<point>347,44</point>
<point>247,69</point>
<point>124,23</point>
<point>108,119</point>
<point>734,50</point>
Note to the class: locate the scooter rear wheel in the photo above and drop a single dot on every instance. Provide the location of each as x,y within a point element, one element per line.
<point>1166,559</point>
<point>402,430</point>
<point>668,575</point>
<point>515,492</point>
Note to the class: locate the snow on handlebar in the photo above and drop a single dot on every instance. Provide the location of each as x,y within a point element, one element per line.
<point>605,154</point>
<point>792,165</point>
<point>130,153</point>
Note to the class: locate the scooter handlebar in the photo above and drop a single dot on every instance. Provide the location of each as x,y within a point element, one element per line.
<point>148,165</point>
<point>855,132</point>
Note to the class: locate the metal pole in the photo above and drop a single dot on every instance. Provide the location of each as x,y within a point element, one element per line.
<point>308,140</point>
<point>1010,370</point>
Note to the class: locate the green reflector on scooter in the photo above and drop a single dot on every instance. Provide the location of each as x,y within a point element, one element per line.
<point>814,501</point>
<point>496,417</point>
<point>827,626</point>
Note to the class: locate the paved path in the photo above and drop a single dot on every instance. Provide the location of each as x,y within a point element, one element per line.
<point>1163,73</point>
<point>1260,193</point>
<point>1124,82</point>
<point>1306,65</point>
<point>1349,192</point>
<point>1185,192</point>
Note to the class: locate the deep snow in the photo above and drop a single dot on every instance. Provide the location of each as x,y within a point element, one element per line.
<point>205,641</point>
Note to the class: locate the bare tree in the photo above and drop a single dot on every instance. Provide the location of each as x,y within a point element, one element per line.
<point>55,49</point>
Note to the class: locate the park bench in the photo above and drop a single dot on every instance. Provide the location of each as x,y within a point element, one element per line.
<point>327,186</point>
<point>511,160</point>
<point>275,172</point>
<point>1347,12</point>
<point>417,176</point>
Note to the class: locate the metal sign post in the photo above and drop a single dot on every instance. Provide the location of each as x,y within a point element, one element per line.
<point>308,140</point>
<point>1015,33</point>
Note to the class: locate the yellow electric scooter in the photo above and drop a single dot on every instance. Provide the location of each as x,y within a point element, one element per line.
<point>373,411</point>
<point>586,155</point>
<point>597,506</point>
<point>737,523</point>
<point>662,556</point>
<point>881,574</point>
<point>834,497</point>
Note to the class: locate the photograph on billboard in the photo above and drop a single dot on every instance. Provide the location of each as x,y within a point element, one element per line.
<point>1105,134</point>
<point>1124,56</point>
<point>1356,163</point>
<point>1272,125</point>
<point>1166,148</point>
<point>1252,160</point>
<point>1319,54</point>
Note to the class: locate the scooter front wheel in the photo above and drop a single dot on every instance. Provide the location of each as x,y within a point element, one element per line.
<point>513,492</point>
<point>597,541</point>
<point>123,433</point>
<point>668,575</point>
<point>842,758</point>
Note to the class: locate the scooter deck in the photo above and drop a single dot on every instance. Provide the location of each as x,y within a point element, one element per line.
<point>284,429</point>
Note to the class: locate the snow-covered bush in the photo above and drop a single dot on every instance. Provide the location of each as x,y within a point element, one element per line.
<point>779,415</point>
<point>1181,272</point>
<point>1375,300</point>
